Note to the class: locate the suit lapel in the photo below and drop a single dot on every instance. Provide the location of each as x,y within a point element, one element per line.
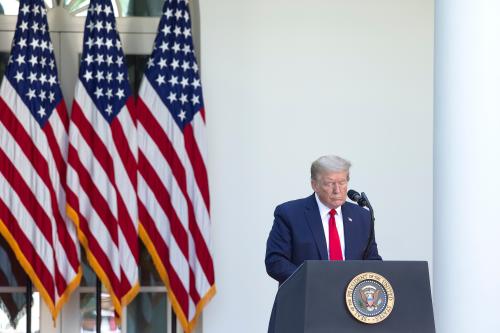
<point>347,220</point>
<point>314,221</point>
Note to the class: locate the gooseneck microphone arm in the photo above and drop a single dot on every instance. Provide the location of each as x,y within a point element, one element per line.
<point>362,201</point>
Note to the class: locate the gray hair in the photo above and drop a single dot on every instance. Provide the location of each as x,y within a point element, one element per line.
<point>329,163</point>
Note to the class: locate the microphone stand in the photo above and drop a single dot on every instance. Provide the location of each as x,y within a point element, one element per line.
<point>369,205</point>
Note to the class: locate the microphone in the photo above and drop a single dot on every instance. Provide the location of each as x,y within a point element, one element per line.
<point>360,199</point>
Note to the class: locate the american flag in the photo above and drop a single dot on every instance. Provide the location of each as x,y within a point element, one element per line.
<point>33,150</point>
<point>102,158</point>
<point>174,204</point>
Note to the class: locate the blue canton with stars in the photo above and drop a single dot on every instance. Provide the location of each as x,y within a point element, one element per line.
<point>172,68</point>
<point>32,69</point>
<point>103,71</point>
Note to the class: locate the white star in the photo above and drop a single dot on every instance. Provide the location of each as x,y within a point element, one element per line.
<point>173,80</point>
<point>19,76</point>
<point>51,64</point>
<point>120,94</point>
<point>109,93</point>
<point>43,62</point>
<point>51,47</point>
<point>166,30</point>
<point>172,97</point>
<point>186,16</point>
<point>89,42</point>
<point>119,61</point>
<point>182,115</point>
<point>185,65</point>
<point>177,31</point>
<point>109,60</point>
<point>164,46</point>
<point>160,79</point>
<point>99,76</point>
<point>31,93</point>
<point>91,10</point>
<point>100,59</point>
<point>169,13</point>
<point>22,43</point>
<point>118,44</point>
<point>20,60</point>
<point>91,25</point>
<point>109,43</point>
<point>196,83</point>
<point>23,26</point>
<point>184,82</point>
<point>109,110</point>
<point>32,77</point>
<point>43,78</point>
<point>108,10</point>
<point>26,9</point>
<point>35,27</point>
<point>98,92</point>
<point>89,59</point>
<point>99,42</point>
<point>98,9</point>
<point>195,99</point>
<point>119,77</point>
<point>109,76</point>
<point>52,80</point>
<point>183,98</point>
<point>87,75</point>
<point>42,95</point>
<point>151,62</point>
<point>186,32</point>
<point>51,97</point>
<point>186,49</point>
<point>178,14</point>
<point>175,64</point>
<point>36,9</point>
<point>43,11</point>
<point>162,63</point>
<point>41,112</point>
<point>109,27</point>
<point>43,45</point>
<point>195,67</point>
<point>33,60</point>
<point>176,47</point>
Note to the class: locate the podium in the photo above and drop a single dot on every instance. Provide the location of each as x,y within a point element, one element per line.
<point>313,298</point>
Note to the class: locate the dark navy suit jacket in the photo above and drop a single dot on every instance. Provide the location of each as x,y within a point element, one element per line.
<point>297,235</point>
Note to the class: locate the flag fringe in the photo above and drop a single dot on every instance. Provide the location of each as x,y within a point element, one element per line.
<point>188,326</point>
<point>73,215</point>
<point>25,264</point>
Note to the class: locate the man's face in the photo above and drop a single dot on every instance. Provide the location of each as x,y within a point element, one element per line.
<point>331,188</point>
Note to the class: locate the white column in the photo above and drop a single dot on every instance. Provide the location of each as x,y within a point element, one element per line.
<point>467,166</point>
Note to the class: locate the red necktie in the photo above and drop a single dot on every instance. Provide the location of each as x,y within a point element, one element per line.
<point>335,250</point>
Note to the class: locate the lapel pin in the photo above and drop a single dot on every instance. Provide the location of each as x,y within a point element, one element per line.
<point>349,219</point>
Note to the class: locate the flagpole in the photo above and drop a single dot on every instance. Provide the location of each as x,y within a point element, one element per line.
<point>29,291</point>
<point>98,289</point>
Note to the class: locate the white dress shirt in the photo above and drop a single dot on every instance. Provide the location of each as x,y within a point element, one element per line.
<point>324,212</point>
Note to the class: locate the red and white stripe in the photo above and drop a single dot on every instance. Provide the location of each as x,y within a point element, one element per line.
<point>102,178</point>
<point>33,196</point>
<point>174,202</point>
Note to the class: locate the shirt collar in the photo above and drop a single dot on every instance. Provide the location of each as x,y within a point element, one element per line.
<point>324,210</point>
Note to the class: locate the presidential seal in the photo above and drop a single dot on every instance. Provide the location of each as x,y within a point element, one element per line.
<point>369,298</point>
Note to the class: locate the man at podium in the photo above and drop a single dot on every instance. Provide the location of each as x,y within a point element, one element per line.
<point>322,226</point>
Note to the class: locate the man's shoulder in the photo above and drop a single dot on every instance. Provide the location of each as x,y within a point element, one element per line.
<point>355,209</point>
<point>297,203</point>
